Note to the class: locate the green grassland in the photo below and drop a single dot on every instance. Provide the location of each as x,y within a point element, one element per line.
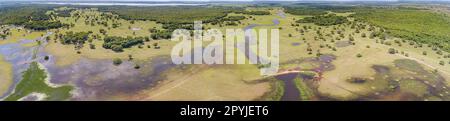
<point>276,92</point>
<point>34,81</point>
<point>305,92</point>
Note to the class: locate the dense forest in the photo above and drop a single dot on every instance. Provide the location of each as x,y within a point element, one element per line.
<point>43,25</point>
<point>78,38</point>
<point>314,10</point>
<point>64,13</point>
<point>324,20</point>
<point>16,15</point>
<point>254,12</point>
<point>31,17</point>
<point>176,17</point>
<point>117,44</point>
<point>421,26</point>
<point>304,11</point>
<point>185,14</point>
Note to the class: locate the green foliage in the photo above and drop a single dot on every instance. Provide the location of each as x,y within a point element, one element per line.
<point>117,61</point>
<point>161,34</point>
<point>39,16</point>
<point>43,25</point>
<point>20,14</point>
<point>324,20</point>
<point>78,38</point>
<point>276,91</point>
<point>118,43</point>
<point>64,13</point>
<point>234,18</point>
<point>3,36</point>
<point>306,93</point>
<point>391,51</point>
<point>175,14</point>
<point>417,25</point>
<point>358,55</point>
<point>34,81</point>
<point>304,11</point>
<point>254,12</point>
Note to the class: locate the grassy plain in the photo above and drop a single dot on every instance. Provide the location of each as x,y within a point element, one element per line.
<point>34,81</point>
<point>5,76</point>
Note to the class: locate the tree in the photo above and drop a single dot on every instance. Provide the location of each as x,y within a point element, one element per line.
<point>439,52</point>
<point>103,31</point>
<point>92,46</point>
<point>359,55</point>
<point>117,44</point>
<point>3,36</point>
<point>441,62</point>
<point>130,57</point>
<point>424,53</point>
<point>156,45</point>
<point>351,38</point>
<point>43,25</point>
<point>117,48</point>
<point>324,20</point>
<point>78,39</point>
<point>137,66</point>
<point>117,61</point>
<point>391,51</point>
<point>46,58</point>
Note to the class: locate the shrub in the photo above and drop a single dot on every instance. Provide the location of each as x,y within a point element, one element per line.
<point>359,55</point>
<point>117,61</point>
<point>391,51</point>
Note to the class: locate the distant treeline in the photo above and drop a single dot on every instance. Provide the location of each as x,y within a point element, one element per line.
<point>315,10</point>
<point>176,14</point>
<point>64,13</point>
<point>31,17</point>
<point>176,17</point>
<point>324,20</point>
<point>411,24</point>
<point>254,12</point>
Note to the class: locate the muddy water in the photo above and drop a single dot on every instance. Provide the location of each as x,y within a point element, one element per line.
<point>100,79</point>
<point>291,93</point>
<point>19,57</point>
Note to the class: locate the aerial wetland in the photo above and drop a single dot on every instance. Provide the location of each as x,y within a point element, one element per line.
<point>326,52</point>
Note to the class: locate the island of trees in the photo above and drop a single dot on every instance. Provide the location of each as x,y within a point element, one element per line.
<point>324,20</point>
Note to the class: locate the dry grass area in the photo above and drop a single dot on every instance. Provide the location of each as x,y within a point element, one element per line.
<point>202,82</point>
<point>67,54</point>
<point>18,34</point>
<point>5,76</point>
